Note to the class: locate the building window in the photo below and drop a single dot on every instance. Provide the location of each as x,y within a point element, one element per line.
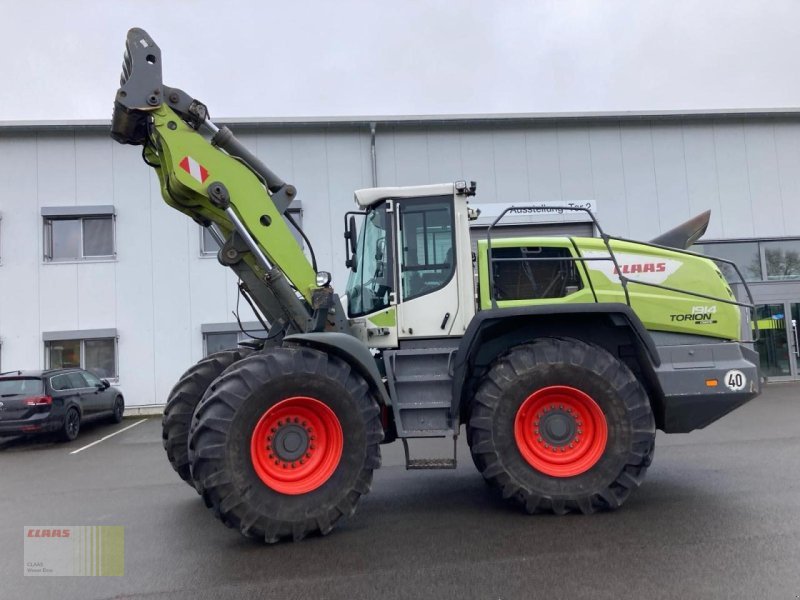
<point>227,336</point>
<point>781,260</point>
<point>78,233</point>
<point>758,260</point>
<point>94,351</point>
<point>745,254</point>
<point>209,246</point>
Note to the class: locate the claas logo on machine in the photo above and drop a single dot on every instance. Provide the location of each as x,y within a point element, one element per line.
<point>648,267</point>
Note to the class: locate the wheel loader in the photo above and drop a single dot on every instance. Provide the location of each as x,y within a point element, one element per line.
<point>559,356</point>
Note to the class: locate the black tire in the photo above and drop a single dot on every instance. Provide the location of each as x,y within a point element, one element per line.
<point>226,419</point>
<point>72,425</point>
<point>119,410</point>
<point>182,402</point>
<point>562,362</point>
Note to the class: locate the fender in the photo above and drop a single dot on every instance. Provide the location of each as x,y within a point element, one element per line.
<point>616,314</point>
<point>349,349</point>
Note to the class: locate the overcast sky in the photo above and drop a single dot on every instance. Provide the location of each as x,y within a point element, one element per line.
<point>61,59</point>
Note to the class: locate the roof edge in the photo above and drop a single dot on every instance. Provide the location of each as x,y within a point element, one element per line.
<point>487,118</point>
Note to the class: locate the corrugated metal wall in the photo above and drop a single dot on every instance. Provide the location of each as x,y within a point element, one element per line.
<point>645,175</point>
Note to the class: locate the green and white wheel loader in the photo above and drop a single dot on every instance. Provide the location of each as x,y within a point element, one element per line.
<point>560,358</point>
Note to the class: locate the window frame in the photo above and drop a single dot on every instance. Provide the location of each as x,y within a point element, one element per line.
<point>47,237</point>
<point>759,242</point>
<point>208,329</point>
<point>82,353</point>
<point>402,203</point>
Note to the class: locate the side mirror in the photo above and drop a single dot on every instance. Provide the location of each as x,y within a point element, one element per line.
<point>351,237</point>
<point>352,234</point>
<point>105,383</point>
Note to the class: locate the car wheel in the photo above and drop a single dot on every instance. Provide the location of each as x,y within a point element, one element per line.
<point>119,410</point>
<point>72,425</point>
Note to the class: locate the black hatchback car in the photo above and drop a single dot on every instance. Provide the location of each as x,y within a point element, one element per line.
<point>55,400</point>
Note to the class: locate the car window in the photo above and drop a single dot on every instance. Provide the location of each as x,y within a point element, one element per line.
<point>59,382</point>
<point>20,385</point>
<point>91,380</point>
<point>76,380</point>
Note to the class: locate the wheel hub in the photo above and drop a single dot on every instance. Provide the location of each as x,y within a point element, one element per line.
<point>291,441</point>
<point>556,427</point>
<point>560,431</point>
<point>296,445</point>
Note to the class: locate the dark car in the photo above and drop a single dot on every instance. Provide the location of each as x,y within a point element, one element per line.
<point>55,400</point>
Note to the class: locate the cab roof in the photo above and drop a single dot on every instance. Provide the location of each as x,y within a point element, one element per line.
<point>370,196</point>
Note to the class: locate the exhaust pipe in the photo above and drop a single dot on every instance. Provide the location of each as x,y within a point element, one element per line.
<point>685,234</point>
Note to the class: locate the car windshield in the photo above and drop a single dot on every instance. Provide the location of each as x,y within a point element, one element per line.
<point>13,386</point>
<point>370,282</point>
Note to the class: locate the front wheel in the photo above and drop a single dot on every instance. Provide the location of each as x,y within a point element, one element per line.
<point>560,425</point>
<point>284,443</point>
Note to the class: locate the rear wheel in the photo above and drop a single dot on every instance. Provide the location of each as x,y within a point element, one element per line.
<point>72,425</point>
<point>285,442</point>
<point>119,410</point>
<point>181,404</point>
<point>560,425</point>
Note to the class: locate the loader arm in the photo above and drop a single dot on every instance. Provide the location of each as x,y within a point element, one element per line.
<point>214,180</point>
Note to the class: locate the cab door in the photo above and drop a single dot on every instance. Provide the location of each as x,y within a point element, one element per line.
<point>428,285</point>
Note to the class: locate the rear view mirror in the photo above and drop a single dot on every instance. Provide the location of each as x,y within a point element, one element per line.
<point>353,234</point>
<point>351,242</point>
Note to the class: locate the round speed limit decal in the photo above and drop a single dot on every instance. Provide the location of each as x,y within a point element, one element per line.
<point>735,380</point>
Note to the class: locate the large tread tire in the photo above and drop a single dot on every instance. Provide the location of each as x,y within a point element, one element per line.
<point>224,424</point>
<point>524,369</point>
<point>182,402</point>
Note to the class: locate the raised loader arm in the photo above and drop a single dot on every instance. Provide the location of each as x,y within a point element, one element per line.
<point>221,185</point>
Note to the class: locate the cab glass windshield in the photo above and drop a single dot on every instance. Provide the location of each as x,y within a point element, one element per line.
<point>370,282</point>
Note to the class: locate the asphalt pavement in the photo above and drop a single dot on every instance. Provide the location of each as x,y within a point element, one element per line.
<point>717,517</point>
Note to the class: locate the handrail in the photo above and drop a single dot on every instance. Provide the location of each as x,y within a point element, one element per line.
<point>624,280</point>
<point>603,235</point>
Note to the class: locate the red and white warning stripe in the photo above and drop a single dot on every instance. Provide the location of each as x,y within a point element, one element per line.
<point>194,168</point>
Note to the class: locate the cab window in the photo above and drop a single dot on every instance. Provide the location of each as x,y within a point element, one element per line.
<point>427,245</point>
<point>369,287</point>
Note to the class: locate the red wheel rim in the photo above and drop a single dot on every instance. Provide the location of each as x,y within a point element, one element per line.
<point>560,431</point>
<point>296,445</point>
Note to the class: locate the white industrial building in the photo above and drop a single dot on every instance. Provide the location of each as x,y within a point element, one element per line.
<point>95,269</point>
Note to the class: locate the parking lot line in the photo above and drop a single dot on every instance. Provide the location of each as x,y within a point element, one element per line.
<point>110,435</point>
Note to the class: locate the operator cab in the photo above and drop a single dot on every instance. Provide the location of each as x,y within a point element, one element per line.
<point>404,281</point>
